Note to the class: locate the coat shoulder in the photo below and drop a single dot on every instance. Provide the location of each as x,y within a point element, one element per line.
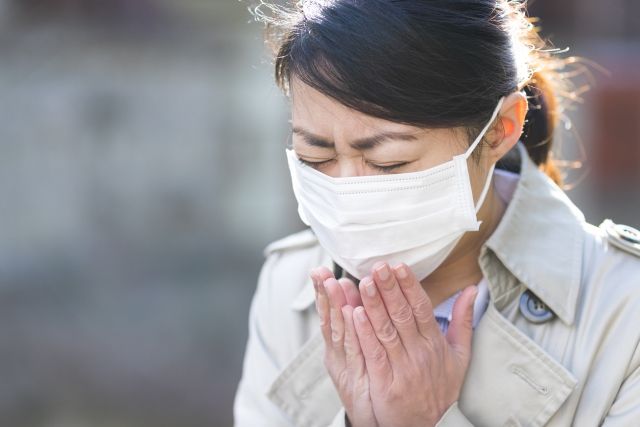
<point>612,240</point>
<point>611,258</point>
<point>285,291</point>
<point>290,260</point>
<point>622,237</point>
<point>610,294</point>
<point>300,239</point>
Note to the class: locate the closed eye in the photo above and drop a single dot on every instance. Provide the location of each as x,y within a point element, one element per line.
<point>314,164</point>
<point>385,168</point>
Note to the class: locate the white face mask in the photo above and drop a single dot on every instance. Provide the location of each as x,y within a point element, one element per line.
<point>415,217</point>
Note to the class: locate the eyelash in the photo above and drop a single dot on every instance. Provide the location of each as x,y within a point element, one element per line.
<point>378,167</point>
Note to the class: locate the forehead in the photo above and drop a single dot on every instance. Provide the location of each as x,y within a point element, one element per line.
<point>312,109</point>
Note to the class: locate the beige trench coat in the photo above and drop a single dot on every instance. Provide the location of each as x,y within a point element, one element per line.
<point>580,367</point>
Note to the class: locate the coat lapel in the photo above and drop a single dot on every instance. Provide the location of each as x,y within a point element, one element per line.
<point>512,379</point>
<point>304,390</point>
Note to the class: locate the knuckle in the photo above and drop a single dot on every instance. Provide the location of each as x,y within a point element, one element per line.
<point>336,337</point>
<point>342,382</point>
<point>388,333</point>
<point>423,309</point>
<point>431,344</point>
<point>378,355</point>
<point>349,348</point>
<point>324,323</point>
<point>368,335</point>
<point>403,315</point>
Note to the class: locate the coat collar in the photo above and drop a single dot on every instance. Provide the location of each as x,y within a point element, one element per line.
<point>538,217</point>
<point>306,297</point>
<point>526,241</point>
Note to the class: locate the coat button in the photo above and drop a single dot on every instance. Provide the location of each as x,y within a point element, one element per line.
<point>534,310</point>
<point>627,233</point>
<point>622,236</point>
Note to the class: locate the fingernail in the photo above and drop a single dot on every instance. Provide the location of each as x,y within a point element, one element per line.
<point>383,272</point>
<point>370,287</point>
<point>402,271</point>
<point>359,313</point>
<point>322,287</point>
<point>326,281</point>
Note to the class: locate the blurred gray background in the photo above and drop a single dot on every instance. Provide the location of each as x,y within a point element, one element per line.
<point>142,171</point>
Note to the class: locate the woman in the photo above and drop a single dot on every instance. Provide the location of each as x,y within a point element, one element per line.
<point>455,284</point>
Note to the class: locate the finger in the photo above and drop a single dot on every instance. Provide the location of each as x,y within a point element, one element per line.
<point>374,354</point>
<point>351,292</point>
<point>418,300</point>
<point>322,305</point>
<point>354,358</point>
<point>396,304</point>
<point>322,273</point>
<point>382,325</point>
<point>335,292</point>
<point>460,328</point>
<point>336,302</point>
<point>319,275</point>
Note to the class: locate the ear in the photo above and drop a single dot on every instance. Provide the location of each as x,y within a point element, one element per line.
<point>508,129</point>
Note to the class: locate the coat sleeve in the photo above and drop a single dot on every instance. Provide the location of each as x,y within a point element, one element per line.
<point>251,406</point>
<point>340,419</point>
<point>453,417</point>
<point>625,409</point>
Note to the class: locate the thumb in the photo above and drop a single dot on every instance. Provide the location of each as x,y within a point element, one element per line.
<point>460,329</point>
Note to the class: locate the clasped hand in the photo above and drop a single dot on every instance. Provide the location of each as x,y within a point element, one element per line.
<point>389,361</point>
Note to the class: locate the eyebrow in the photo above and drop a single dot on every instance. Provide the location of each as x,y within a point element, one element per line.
<point>366,143</point>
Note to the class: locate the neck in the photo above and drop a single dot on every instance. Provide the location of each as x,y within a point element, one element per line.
<point>461,268</point>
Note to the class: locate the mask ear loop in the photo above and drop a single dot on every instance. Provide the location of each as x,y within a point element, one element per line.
<point>487,183</point>
<point>485,190</point>
<point>484,130</point>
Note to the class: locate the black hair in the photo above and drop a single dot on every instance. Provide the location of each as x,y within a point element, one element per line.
<point>427,63</point>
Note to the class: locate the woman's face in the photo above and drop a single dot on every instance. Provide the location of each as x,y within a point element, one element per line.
<point>342,142</point>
